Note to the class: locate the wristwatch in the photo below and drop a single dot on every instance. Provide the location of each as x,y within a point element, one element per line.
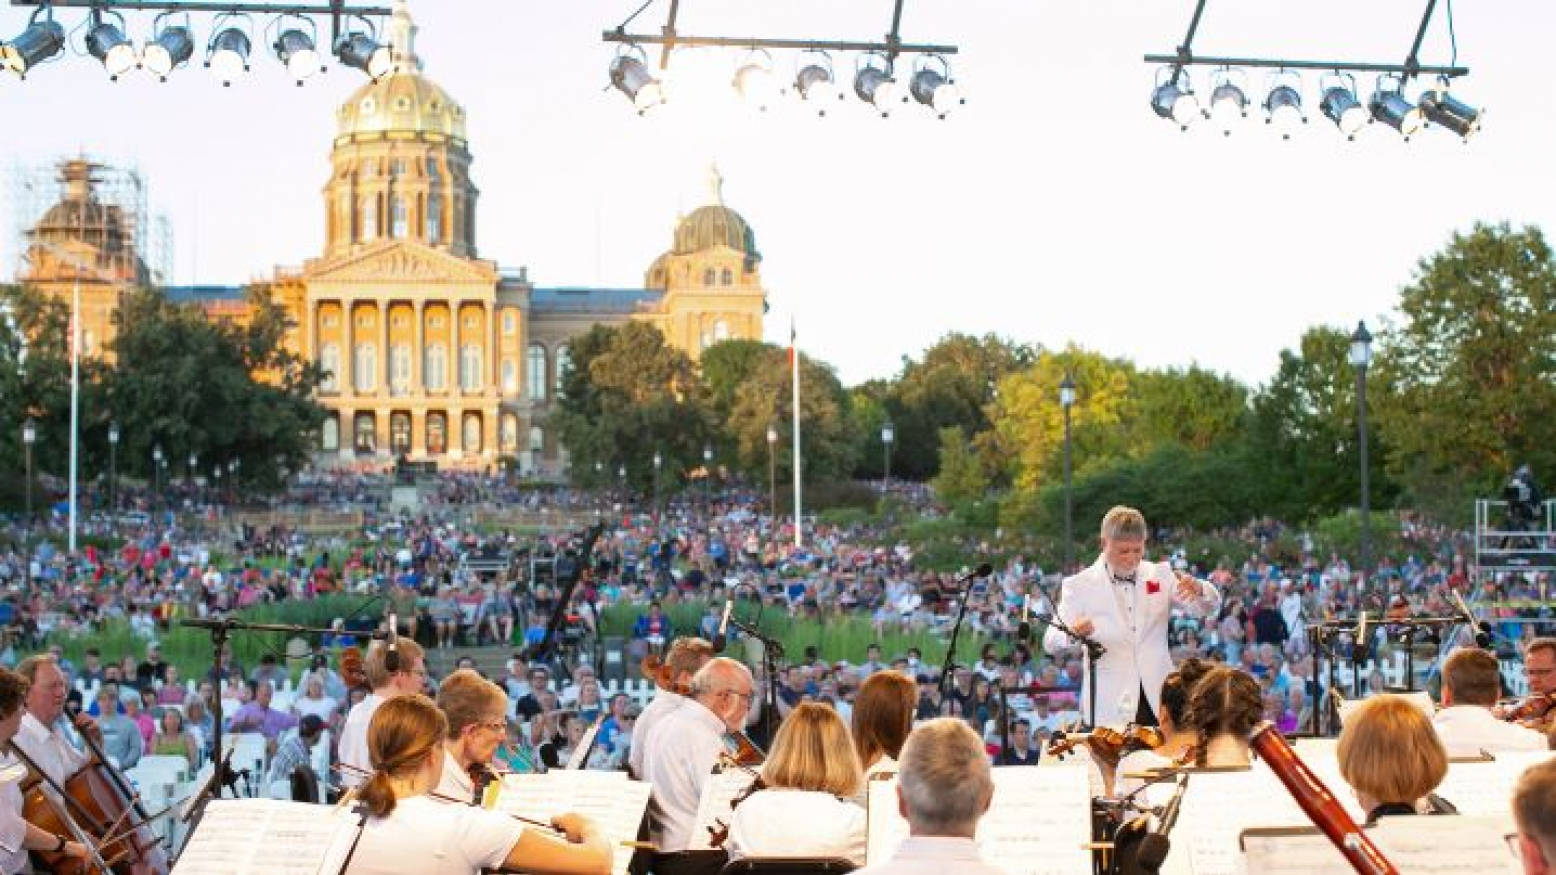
<point>61,846</point>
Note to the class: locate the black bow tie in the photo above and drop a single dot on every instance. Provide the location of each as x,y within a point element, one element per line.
<point>1124,578</point>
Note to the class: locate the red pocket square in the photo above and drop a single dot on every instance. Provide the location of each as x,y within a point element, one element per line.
<point>1152,587</point>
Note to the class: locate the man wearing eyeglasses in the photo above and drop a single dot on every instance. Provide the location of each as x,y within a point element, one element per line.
<point>477,712</point>
<point>1534,810</point>
<point>679,753</point>
<point>408,677</point>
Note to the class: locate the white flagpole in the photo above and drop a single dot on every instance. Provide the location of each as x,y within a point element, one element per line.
<point>799,514</point>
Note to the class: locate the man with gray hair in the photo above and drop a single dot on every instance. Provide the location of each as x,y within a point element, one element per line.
<point>1125,603</point>
<point>1534,810</point>
<point>944,785</point>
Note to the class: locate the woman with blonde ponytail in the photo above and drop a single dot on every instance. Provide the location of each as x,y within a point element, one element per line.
<point>409,831</point>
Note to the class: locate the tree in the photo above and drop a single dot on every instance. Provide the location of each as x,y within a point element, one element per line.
<point>217,390</point>
<point>963,478</point>
<point>726,366</point>
<point>1193,408</point>
<point>1469,376</point>
<point>831,437</point>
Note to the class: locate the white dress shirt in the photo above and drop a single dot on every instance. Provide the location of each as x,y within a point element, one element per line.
<point>47,748</point>
<point>797,823</point>
<point>662,704</point>
<point>429,837</point>
<point>455,782</point>
<point>933,855</point>
<point>678,755</point>
<point>1469,729</point>
<point>353,741</point>
<point>13,829</point>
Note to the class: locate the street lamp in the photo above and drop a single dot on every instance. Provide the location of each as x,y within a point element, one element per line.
<point>156,474</point>
<point>232,478</point>
<point>1361,357</point>
<point>29,437</point>
<point>888,434</point>
<point>772,473</point>
<point>1067,401</point>
<point>707,478</point>
<point>113,466</point>
<point>658,461</point>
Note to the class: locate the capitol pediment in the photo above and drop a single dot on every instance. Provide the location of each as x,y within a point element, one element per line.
<point>400,261</point>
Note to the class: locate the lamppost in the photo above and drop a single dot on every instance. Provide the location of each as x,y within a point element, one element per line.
<point>1067,401</point>
<point>193,461</point>
<point>156,476</point>
<point>113,466</point>
<point>707,479</point>
<point>621,476</point>
<point>1361,357</point>
<point>772,472</point>
<point>888,435</point>
<point>658,462</point>
<point>29,436</point>
<point>232,479</point>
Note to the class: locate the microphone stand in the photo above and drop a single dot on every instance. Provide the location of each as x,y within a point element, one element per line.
<point>950,652</point>
<point>1094,652</point>
<point>772,651</point>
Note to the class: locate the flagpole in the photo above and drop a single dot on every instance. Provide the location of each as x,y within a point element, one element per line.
<point>794,366</point>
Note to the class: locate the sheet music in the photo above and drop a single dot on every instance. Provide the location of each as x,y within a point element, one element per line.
<point>1216,808</point>
<point>585,745</point>
<point>1039,823</point>
<point>721,787</point>
<point>610,799</point>
<point>1486,789</point>
<point>1415,845</point>
<point>270,836</point>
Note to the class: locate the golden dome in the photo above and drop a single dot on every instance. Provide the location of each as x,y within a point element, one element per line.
<point>715,225</point>
<point>405,100</point>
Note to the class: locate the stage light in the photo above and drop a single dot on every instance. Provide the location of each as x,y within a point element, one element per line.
<point>362,51</point>
<point>629,74</point>
<point>815,82</point>
<point>106,42</point>
<point>227,54</point>
<point>1228,100</point>
<point>297,49</point>
<point>1340,105</point>
<point>1283,105</point>
<point>935,88</point>
<point>1388,105</point>
<point>754,79</point>
<point>172,46</point>
<point>874,84</point>
<point>1441,108</point>
<point>41,41</point>
<point>1174,99</point>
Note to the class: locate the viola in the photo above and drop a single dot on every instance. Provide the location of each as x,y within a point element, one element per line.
<point>1535,707</point>
<point>718,834</point>
<point>1108,742</point>
<point>662,675</point>
<point>352,669</point>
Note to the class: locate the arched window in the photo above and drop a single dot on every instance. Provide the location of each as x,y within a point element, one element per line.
<point>510,376</point>
<point>564,363</point>
<point>399,219</point>
<point>366,433</point>
<point>727,278</point>
<point>370,218</point>
<point>435,220</point>
<point>329,435</point>
<point>399,369</point>
<point>470,368</point>
<point>437,433</point>
<point>535,372</point>
<point>329,363</point>
<point>435,367</point>
<point>537,439</point>
<point>400,433</point>
<point>470,436</point>
<point>364,368</point>
<point>707,277</point>
<point>508,434</point>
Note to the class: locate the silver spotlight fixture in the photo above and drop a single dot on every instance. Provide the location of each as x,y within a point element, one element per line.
<point>934,87</point>
<point>107,43</point>
<point>630,75</point>
<point>873,83</point>
<point>296,47</point>
<point>1340,104</point>
<point>1228,99</point>
<point>227,54</point>
<point>362,50</point>
<point>169,49</point>
<point>1441,108</point>
<point>1283,105</point>
<point>41,41</point>
<point>1388,105</point>
<point>1173,99</point>
<point>754,80</point>
<point>815,82</point>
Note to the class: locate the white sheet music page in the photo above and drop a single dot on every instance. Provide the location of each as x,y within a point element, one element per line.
<point>610,799</point>
<point>1428,845</point>
<point>1216,808</point>
<point>885,826</point>
<point>1487,788</point>
<point>713,808</point>
<point>270,836</point>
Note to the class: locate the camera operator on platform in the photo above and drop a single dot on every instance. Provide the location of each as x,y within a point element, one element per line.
<point>1124,603</point>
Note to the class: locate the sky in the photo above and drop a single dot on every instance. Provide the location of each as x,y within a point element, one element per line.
<point>1053,208</point>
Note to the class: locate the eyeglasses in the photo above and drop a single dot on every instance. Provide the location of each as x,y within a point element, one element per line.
<point>1514,846</point>
<point>748,697</point>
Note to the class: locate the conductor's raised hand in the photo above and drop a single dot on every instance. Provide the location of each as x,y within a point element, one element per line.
<point>1083,626</point>
<point>1188,588</point>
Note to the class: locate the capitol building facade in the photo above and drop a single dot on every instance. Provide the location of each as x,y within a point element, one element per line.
<point>429,351</point>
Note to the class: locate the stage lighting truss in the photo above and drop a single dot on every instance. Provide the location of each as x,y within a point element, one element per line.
<point>877,81</point>
<point>1173,96</point>
<point>292,36</point>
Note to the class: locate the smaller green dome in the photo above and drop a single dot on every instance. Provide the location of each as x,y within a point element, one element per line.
<point>715,225</point>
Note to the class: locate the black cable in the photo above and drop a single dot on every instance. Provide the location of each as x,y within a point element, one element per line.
<point>1453,40</point>
<point>646,4</point>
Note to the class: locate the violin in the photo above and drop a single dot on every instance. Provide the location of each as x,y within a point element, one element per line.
<point>1530,708</point>
<point>662,675</point>
<point>1108,742</point>
<point>352,669</point>
<point>718,834</point>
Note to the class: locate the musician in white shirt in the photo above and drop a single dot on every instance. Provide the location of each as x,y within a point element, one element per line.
<point>39,737</point>
<point>810,773</point>
<point>409,675</point>
<point>881,721</point>
<point>17,836</point>
<point>686,657</point>
<point>943,789</point>
<point>680,752</point>
<point>1472,683</point>
<point>1534,810</point>
<point>408,831</point>
<point>477,712</point>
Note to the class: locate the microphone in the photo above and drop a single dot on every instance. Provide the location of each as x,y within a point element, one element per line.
<point>983,570</point>
<point>1482,634</point>
<point>1024,628</point>
<point>392,642</point>
<point>1169,816</point>
<point>1153,847</point>
<point>719,637</point>
<point>1359,647</point>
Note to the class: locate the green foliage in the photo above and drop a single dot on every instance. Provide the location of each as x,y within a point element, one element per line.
<point>962,478</point>
<point>1341,534</point>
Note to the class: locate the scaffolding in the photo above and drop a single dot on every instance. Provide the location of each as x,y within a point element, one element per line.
<point>1507,543</point>
<point>85,199</point>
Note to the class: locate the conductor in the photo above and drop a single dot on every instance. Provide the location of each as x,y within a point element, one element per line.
<point>1124,603</point>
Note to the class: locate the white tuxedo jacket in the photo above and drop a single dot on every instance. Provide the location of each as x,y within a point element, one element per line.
<point>1136,640</point>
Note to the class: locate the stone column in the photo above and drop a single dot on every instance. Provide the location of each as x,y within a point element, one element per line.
<point>455,356</point>
<point>349,354</point>
<point>383,352</point>
<point>418,349</point>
